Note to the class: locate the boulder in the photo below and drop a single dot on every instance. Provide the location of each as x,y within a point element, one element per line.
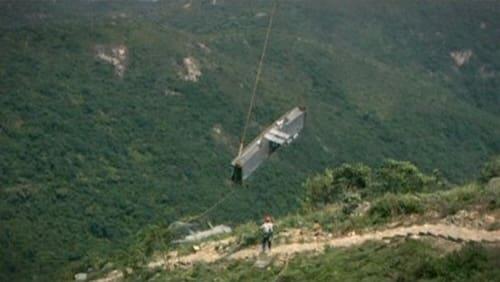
<point>81,276</point>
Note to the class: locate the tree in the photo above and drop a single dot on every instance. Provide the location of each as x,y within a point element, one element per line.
<point>337,184</point>
<point>490,170</point>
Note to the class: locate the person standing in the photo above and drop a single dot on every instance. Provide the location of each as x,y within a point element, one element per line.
<point>267,233</point>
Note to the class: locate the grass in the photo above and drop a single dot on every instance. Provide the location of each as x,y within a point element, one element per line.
<point>402,260</point>
<point>406,260</point>
<point>89,159</point>
<point>393,207</point>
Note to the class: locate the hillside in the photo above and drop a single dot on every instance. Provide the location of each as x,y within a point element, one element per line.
<point>116,115</point>
<point>448,235</point>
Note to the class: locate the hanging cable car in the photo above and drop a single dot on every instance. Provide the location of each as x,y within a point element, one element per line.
<point>281,133</point>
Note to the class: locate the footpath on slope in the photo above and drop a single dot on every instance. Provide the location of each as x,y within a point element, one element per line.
<point>210,254</point>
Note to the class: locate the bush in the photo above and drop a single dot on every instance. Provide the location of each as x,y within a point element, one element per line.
<point>394,205</point>
<point>471,263</point>
<point>490,170</point>
<point>400,177</point>
<point>356,176</point>
<point>351,201</point>
<point>248,234</point>
<point>320,190</point>
<point>152,238</point>
<point>334,184</point>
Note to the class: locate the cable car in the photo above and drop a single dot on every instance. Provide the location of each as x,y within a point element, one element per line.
<point>281,133</point>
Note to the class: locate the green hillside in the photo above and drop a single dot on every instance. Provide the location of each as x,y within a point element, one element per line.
<point>88,157</point>
<point>402,260</point>
<point>367,225</point>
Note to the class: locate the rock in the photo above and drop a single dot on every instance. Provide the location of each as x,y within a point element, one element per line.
<point>129,270</point>
<point>196,248</point>
<point>414,236</point>
<point>81,276</point>
<point>217,129</point>
<point>461,57</point>
<point>192,69</point>
<point>116,55</point>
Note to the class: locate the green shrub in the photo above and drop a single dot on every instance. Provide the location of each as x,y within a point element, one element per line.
<point>490,170</point>
<point>399,177</point>
<point>473,262</point>
<point>340,184</point>
<point>320,190</point>
<point>334,184</point>
<point>355,176</point>
<point>449,202</point>
<point>350,202</point>
<point>152,238</point>
<point>248,234</point>
<point>394,205</point>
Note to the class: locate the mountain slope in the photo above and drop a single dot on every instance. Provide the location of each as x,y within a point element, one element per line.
<point>89,156</point>
<point>458,225</point>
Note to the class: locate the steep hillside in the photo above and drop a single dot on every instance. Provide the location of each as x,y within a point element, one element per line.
<point>447,235</point>
<point>115,115</point>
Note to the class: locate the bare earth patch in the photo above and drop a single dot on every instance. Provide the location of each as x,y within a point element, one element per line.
<point>315,243</point>
<point>461,57</point>
<point>192,71</point>
<point>115,55</point>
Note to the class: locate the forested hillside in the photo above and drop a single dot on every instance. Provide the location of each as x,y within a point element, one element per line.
<point>119,114</point>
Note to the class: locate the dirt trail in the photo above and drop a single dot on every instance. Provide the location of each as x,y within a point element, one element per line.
<point>209,253</point>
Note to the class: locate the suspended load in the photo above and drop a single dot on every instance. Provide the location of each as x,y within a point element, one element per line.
<point>281,133</point>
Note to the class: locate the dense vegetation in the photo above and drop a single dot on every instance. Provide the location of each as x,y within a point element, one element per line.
<point>400,261</point>
<point>88,159</point>
<point>349,182</point>
<point>491,169</point>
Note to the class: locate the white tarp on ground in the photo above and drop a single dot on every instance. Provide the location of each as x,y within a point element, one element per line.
<point>197,236</point>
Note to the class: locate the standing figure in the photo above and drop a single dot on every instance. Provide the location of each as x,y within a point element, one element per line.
<point>267,233</point>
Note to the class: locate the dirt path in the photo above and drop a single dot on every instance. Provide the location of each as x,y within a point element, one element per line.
<point>209,253</point>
